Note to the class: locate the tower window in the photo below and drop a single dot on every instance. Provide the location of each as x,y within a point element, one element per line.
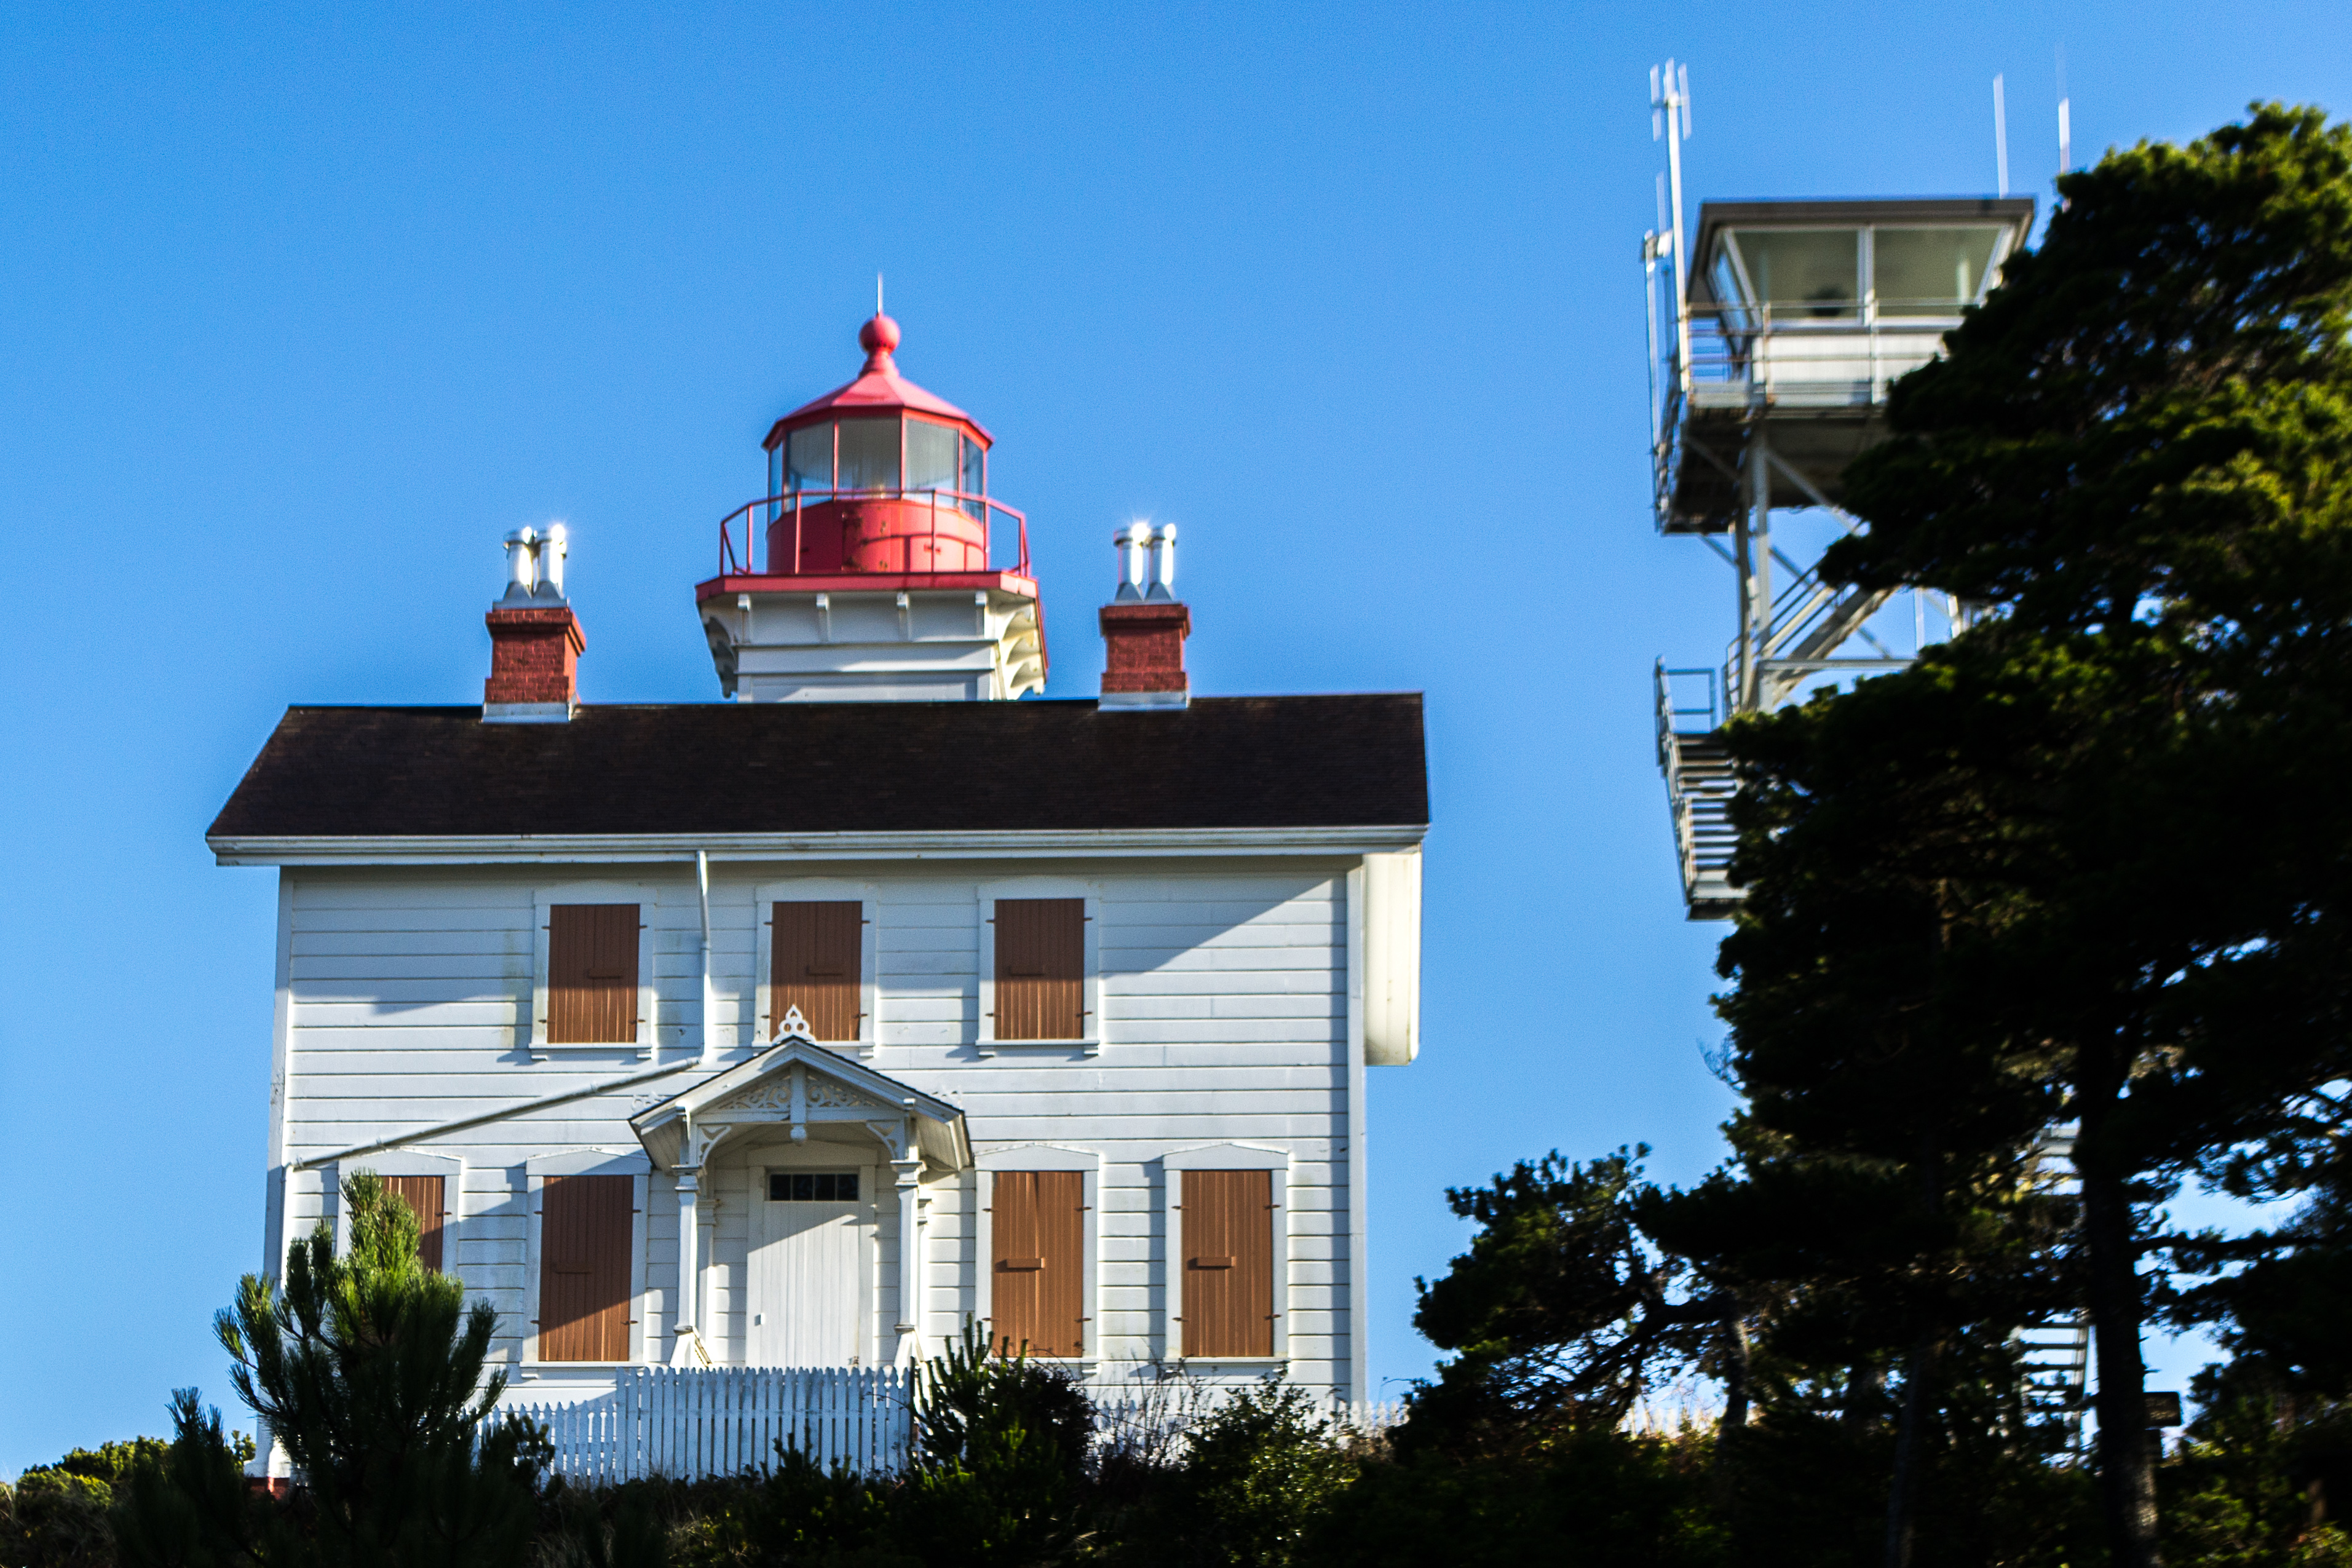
<point>1930,271</point>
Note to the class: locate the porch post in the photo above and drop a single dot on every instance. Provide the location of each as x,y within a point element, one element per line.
<point>910,1251</point>
<point>689,1267</point>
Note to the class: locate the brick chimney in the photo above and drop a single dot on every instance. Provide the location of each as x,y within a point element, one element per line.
<point>1144,626</point>
<point>535,639</point>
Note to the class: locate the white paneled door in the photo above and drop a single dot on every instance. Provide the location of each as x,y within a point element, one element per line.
<point>807,1267</point>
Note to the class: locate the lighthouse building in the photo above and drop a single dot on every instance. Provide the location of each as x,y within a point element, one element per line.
<point>804,1027</point>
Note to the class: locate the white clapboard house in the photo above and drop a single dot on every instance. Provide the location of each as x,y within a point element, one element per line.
<point>799,1029</point>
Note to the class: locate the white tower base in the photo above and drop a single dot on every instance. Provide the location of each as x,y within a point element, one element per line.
<point>877,646</point>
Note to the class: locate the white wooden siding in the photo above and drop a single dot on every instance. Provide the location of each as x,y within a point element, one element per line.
<point>1224,1003</point>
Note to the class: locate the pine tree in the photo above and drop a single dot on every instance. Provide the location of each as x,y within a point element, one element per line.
<point>2081,858</point>
<point>371,1370</point>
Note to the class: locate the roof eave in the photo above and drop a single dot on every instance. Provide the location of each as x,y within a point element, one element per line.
<point>531,848</point>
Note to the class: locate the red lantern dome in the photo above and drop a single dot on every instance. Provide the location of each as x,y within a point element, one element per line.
<point>878,487</point>
<point>880,476</point>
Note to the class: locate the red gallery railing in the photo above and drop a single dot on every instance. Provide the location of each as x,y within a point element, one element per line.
<point>775,510</point>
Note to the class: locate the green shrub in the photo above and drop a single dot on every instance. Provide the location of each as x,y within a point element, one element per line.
<point>2249,1484</point>
<point>999,1454</point>
<point>56,1519</point>
<point>798,1513</point>
<point>57,1516</point>
<point>1602,1498</point>
<point>1260,1472</point>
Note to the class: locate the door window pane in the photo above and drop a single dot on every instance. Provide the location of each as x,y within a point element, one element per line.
<point>1805,274</point>
<point>869,455</point>
<point>1931,272</point>
<point>931,456</point>
<point>812,1187</point>
<point>808,462</point>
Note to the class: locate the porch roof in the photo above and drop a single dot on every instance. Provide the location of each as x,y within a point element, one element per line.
<point>798,1083</point>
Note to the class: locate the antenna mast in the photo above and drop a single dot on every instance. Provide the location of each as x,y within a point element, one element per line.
<point>1999,136</point>
<point>2066,126</point>
<point>1670,117</point>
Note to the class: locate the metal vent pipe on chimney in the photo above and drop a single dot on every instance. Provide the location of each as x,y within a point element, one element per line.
<point>1163,550</point>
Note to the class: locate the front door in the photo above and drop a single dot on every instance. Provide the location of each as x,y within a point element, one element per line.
<point>807,1268</point>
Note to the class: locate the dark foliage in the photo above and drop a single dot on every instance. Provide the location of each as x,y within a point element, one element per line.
<point>371,1373</point>
<point>2066,867</point>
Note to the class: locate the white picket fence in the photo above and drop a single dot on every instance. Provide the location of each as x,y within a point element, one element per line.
<point>686,1422</point>
<point>691,1422</point>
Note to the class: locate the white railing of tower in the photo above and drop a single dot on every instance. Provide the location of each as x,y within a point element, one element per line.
<point>1743,358</point>
<point>690,1423</point>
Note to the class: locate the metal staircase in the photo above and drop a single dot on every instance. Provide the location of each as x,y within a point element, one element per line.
<point>2056,1351</point>
<point>1699,786</point>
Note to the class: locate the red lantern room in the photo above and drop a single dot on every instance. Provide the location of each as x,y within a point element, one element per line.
<point>868,570</point>
<point>879,476</point>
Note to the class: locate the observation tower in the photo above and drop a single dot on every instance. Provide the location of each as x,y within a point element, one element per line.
<point>1774,337</point>
<point>870,570</point>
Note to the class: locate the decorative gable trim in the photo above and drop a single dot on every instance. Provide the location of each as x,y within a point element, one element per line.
<point>796,1082</point>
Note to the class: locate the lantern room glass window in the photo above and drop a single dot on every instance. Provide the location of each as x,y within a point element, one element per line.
<point>931,456</point>
<point>808,458</point>
<point>1930,271</point>
<point>866,456</point>
<point>975,476</point>
<point>940,458</point>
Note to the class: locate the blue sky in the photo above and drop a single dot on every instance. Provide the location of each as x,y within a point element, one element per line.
<point>300,309</point>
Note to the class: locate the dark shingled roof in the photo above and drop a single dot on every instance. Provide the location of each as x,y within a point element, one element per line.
<point>831,767</point>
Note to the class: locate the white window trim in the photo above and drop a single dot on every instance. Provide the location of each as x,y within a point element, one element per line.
<point>1091,1041</point>
<point>1220,1157</point>
<point>815,889</point>
<point>648,901</point>
<point>1041,1157</point>
<point>873,1179</point>
<point>631,1163</point>
<point>451,1168</point>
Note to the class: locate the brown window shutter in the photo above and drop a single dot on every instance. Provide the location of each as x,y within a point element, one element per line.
<point>815,963</point>
<point>1038,1223</point>
<point>592,974</point>
<point>423,1195</point>
<point>1041,953</point>
<point>583,1269</point>
<point>1228,1263</point>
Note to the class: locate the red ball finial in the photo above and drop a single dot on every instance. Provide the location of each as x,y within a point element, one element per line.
<point>878,337</point>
